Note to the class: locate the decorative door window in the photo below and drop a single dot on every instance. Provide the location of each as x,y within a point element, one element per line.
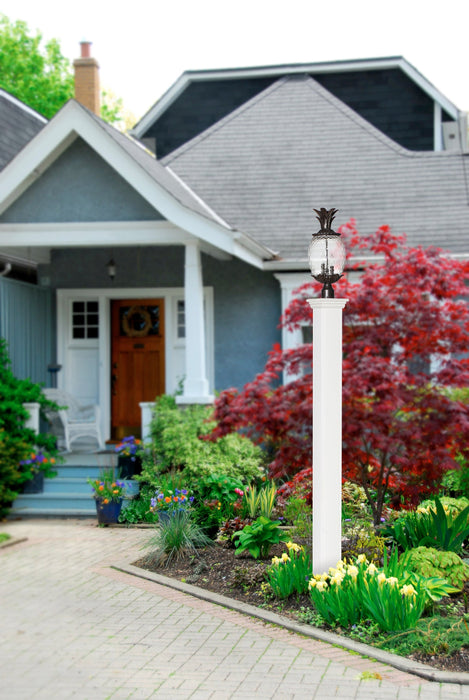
<point>85,319</point>
<point>139,320</point>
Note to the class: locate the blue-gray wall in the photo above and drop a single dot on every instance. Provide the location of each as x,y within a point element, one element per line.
<point>247,301</point>
<point>27,322</point>
<point>79,187</point>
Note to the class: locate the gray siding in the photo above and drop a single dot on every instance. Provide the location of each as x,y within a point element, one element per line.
<point>247,301</point>
<point>78,187</point>
<point>26,323</point>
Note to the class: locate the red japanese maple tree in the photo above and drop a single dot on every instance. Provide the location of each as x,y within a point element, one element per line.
<point>406,332</point>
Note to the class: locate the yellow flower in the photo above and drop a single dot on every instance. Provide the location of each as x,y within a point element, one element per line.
<point>313,583</point>
<point>352,571</point>
<point>340,565</point>
<point>285,557</point>
<point>275,561</point>
<point>381,577</point>
<point>361,559</point>
<point>338,578</point>
<point>392,581</point>
<point>295,547</point>
<point>332,571</point>
<point>321,586</point>
<point>371,569</point>
<point>408,589</point>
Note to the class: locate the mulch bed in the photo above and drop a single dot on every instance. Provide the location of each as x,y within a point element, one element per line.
<point>218,569</point>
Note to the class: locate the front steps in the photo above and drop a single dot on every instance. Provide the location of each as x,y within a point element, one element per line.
<point>68,494</point>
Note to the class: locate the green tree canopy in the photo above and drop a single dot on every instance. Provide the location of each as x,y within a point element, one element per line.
<point>35,73</point>
<point>40,76</point>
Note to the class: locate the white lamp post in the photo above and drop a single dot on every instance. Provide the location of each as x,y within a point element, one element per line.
<point>326,255</point>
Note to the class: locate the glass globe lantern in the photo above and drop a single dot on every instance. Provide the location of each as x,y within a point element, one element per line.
<point>326,253</point>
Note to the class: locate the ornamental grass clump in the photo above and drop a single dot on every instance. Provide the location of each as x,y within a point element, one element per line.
<point>353,592</point>
<point>176,538</point>
<point>291,572</point>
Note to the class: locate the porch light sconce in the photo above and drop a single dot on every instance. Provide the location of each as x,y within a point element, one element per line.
<point>111,268</point>
<point>326,253</point>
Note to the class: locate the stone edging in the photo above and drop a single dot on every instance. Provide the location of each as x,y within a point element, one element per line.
<point>12,541</point>
<point>385,657</point>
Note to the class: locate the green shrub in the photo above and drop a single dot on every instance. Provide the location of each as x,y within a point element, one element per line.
<point>176,444</point>
<point>259,537</point>
<point>18,443</point>
<point>430,562</point>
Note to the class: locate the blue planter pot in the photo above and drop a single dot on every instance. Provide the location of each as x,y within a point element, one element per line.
<point>108,513</point>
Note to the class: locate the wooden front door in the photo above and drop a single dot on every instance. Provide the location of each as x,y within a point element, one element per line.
<point>137,361</point>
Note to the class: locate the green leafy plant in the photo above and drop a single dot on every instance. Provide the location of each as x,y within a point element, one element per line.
<point>176,538</point>
<point>228,529</point>
<point>267,498</point>
<point>179,441</point>
<point>17,443</point>
<point>430,562</point>
<point>291,572</point>
<point>259,537</point>
<point>430,527</point>
<point>299,514</point>
<point>251,501</point>
<point>220,487</point>
<point>138,511</point>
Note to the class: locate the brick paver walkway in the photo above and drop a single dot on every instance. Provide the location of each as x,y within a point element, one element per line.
<point>72,627</point>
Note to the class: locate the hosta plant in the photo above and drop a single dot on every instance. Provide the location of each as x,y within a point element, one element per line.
<point>430,562</point>
<point>259,537</point>
<point>291,572</point>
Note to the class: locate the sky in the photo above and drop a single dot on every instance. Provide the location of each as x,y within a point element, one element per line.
<point>143,48</point>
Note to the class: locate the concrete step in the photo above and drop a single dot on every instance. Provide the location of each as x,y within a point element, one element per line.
<point>68,494</point>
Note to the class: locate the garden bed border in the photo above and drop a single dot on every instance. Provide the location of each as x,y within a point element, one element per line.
<point>399,662</point>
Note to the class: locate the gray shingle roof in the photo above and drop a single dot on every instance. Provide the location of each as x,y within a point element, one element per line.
<point>162,175</point>
<point>295,146</point>
<point>19,125</point>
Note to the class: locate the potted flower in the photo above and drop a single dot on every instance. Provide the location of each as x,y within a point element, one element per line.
<point>169,502</point>
<point>108,494</point>
<point>36,467</point>
<point>129,461</point>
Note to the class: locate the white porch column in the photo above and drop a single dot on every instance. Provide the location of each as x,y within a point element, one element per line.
<point>196,387</point>
<point>327,432</point>
<point>32,421</point>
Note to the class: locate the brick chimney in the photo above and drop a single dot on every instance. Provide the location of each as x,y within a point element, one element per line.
<point>87,89</point>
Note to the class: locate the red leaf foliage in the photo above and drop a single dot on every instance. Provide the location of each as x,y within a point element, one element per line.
<point>406,334</point>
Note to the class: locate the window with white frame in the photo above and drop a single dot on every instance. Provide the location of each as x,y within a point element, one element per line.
<point>85,320</point>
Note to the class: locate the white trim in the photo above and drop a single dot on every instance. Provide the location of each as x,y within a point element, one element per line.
<point>437,127</point>
<point>188,77</point>
<point>290,339</point>
<point>104,296</point>
<point>73,121</point>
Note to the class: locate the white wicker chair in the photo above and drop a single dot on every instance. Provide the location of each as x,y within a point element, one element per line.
<point>75,421</point>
